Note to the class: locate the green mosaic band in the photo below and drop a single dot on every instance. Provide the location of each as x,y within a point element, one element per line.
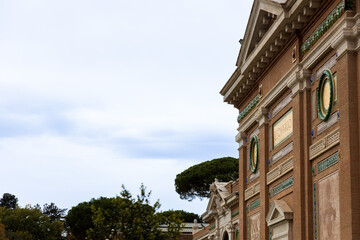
<point>254,204</point>
<point>252,104</point>
<point>323,27</point>
<point>234,214</point>
<point>254,162</point>
<point>325,77</point>
<point>328,162</point>
<point>211,227</point>
<point>282,186</point>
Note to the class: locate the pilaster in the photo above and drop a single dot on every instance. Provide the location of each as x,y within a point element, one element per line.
<point>349,146</point>
<point>263,168</point>
<point>300,88</point>
<point>242,186</point>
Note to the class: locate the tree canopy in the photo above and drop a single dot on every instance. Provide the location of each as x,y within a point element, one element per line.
<point>53,212</point>
<point>8,201</point>
<point>195,181</point>
<point>29,223</point>
<point>186,217</point>
<point>122,217</point>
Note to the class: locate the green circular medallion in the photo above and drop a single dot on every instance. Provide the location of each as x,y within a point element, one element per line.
<point>325,95</point>
<point>254,154</point>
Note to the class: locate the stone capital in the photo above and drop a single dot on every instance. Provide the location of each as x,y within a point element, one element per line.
<point>300,81</point>
<point>262,117</point>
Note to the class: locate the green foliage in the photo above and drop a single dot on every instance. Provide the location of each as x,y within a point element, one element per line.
<point>186,217</point>
<point>9,201</point>
<point>79,220</point>
<point>53,212</point>
<point>29,223</point>
<point>195,181</point>
<point>121,218</point>
<point>2,232</point>
<point>132,219</point>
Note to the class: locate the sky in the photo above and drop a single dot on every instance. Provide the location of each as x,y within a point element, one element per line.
<point>95,94</point>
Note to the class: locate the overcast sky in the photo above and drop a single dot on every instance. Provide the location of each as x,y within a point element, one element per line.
<point>95,94</point>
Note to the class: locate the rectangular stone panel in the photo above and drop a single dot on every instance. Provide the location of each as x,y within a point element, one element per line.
<point>283,152</point>
<point>281,105</point>
<point>329,208</point>
<point>328,65</point>
<point>254,176</point>
<point>254,227</point>
<point>252,191</point>
<point>325,125</point>
<point>283,128</point>
<point>324,144</point>
<point>280,171</point>
<point>313,105</point>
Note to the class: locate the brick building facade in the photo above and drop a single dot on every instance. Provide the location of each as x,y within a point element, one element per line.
<point>297,87</point>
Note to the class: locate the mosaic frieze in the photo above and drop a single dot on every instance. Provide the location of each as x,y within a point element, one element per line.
<point>328,162</point>
<point>234,214</point>
<point>248,108</point>
<point>254,204</point>
<point>323,27</point>
<point>282,186</point>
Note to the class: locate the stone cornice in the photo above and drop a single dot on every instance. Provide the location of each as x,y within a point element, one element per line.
<point>268,47</point>
<point>344,36</point>
<point>346,39</point>
<point>281,86</point>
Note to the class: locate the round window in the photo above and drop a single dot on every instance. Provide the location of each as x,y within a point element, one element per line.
<point>325,95</point>
<point>254,154</point>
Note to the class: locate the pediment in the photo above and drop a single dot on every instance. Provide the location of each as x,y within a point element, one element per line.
<point>279,211</point>
<point>262,17</point>
<point>217,200</point>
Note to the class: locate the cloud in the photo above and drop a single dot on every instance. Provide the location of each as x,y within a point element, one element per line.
<point>47,168</point>
<point>96,94</point>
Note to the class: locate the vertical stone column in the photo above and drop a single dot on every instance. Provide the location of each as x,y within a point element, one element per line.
<point>242,186</point>
<point>349,146</point>
<point>263,167</point>
<point>299,89</point>
<point>348,101</point>
<point>308,183</point>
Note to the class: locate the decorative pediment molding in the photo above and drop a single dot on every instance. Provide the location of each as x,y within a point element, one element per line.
<point>221,200</point>
<point>260,48</point>
<point>262,16</point>
<point>279,211</point>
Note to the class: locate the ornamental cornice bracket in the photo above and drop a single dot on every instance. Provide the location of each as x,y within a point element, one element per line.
<point>230,228</point>
<point>262,118</point>
<point>346,39</point>
<point>295,81</point>
<point>304,76</point>
<point>299,81</point>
